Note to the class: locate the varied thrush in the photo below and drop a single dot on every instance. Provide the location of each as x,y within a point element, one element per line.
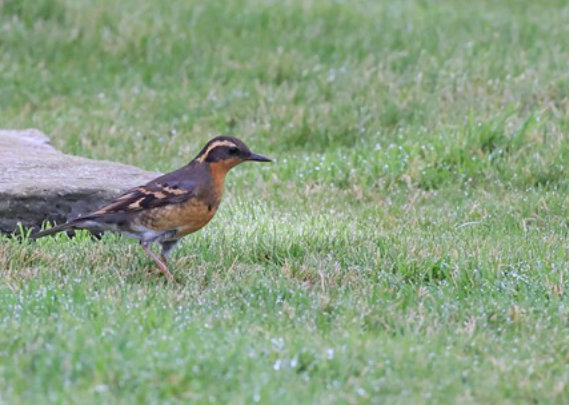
<point>172,205</point>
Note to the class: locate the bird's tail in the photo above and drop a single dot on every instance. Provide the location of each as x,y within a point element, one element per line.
<point>52,230</point>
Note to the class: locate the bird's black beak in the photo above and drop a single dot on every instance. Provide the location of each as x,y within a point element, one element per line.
<point>258,158</point>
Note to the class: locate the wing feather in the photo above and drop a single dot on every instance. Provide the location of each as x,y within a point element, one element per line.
<point>171,188</point>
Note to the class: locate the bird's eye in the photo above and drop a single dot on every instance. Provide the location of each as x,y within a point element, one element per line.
<point>233,151</point>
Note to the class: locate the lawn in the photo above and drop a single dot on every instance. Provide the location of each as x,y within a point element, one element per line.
<point>409,244</point>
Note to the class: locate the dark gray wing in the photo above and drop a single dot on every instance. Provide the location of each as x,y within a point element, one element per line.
<point>172,188</point>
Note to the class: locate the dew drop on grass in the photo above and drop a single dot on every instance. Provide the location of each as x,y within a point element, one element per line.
<point>278,343</point>
<point>331,76</point>
<point>101,388</point>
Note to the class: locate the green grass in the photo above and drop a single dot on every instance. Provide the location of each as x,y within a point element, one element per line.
<point>408,246</point>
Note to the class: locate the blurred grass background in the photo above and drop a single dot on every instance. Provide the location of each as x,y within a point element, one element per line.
<point>408,246</point>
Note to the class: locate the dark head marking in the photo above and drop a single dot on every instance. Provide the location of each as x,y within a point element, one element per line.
<point>223,147</point>
<point>228,148</point>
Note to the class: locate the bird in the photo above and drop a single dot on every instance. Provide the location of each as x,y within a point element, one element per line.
<point>171,206</point>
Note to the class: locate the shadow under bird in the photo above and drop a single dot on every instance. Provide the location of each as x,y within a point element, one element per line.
<point>172,205</point>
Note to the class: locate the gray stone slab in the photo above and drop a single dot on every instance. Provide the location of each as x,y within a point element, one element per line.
<point>39,183</point>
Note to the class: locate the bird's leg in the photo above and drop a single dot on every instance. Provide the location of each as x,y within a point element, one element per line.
<point>161,265</point>
<point>166,249</point>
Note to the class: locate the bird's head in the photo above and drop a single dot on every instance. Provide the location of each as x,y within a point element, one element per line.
<point>227,152</point>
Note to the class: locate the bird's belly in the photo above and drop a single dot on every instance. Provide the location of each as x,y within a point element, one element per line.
<point>185,218</point>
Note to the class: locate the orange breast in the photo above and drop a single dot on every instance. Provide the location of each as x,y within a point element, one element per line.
<point>187,217</point>
<point>193,214</point>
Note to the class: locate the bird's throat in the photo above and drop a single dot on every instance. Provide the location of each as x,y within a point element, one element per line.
<point>218,171</point>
